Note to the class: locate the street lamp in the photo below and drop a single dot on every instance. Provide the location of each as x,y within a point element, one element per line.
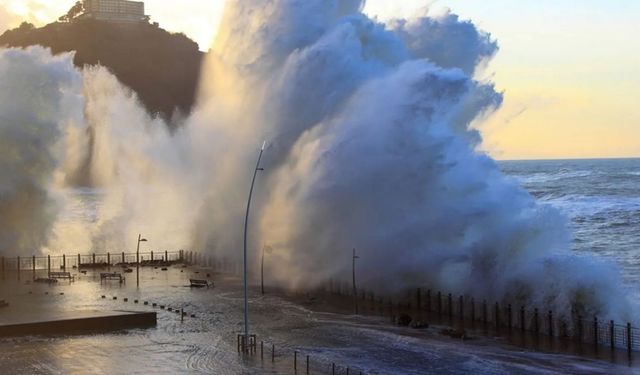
<point>246,224</point>
<point>355,290</point>
<point>140,239</point>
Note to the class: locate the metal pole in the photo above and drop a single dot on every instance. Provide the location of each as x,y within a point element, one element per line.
<point>262,272</point>
<point>612,335</point>
<point>138,261</point>
<point>246,225</point>
<point>629,340</point>
<point>355,289</point>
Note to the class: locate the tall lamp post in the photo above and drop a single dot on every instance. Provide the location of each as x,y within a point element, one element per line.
<point>246,224</point>
<point>140,239</point>
<point>355,289</point>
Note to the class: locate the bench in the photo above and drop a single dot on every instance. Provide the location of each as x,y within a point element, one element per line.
<point>61,275</point>
<point>196,283</point>
<point>111,276</point>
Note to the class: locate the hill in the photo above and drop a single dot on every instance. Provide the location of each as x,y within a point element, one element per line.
<point>163,68</point>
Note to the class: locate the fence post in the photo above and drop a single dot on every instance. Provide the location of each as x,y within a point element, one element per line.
<point>428,301</point>
<point>461,309</point>
<point>550,318</point>
<point>33,266</point>
<point>484,313</point>
<point>79,261</point>
<point>629,340</point>
<point>307,364</point>
<point>166,256</point>
<point>372,302</point>
<point>595,333</point>
<point>522,320</point>
<point>48,265</point>
<point>18,268</point>
<point>473,312</point>
<point>108,259</point>
<point>93,259</point>
<point>439,304</point>
<point>612,335</point>
<point>509,317</point>
<point>295,360</point>
<point>418,300</point>
<point>152,255</point>
<point>64,262</point>
<point>450,300</point>
<point>497,317</point>
<point>409,299</point>
<point>536,326</point>
<point>579,329</point>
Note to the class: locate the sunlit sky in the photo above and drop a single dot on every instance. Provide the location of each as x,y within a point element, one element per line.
<point>568,68</point>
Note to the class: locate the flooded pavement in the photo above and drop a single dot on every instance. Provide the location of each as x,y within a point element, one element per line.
<point>206,343</point>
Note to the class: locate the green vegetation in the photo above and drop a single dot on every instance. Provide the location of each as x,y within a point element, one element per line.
<point>76,10</point>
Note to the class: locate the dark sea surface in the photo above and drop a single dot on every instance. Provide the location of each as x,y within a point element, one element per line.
<point>601,199</point>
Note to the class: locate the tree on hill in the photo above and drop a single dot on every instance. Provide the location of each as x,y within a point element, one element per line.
<point>75,11</point>
<point>26,26</point>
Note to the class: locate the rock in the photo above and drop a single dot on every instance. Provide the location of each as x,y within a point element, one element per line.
<point>455,333</point>
<point>418,324</point>
<point>404,320</point>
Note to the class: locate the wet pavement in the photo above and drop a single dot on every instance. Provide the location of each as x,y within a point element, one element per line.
<point>206,343</point>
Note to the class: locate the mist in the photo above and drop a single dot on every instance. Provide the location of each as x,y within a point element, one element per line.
<point>39,102</point>
<point>372,133</point>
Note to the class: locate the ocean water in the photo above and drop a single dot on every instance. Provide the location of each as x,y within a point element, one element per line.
<point>601,200</point>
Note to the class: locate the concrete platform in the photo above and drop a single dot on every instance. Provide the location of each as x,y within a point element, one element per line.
<point>81,322</point>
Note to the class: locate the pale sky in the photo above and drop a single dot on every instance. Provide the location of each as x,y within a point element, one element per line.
<point>569,68</point>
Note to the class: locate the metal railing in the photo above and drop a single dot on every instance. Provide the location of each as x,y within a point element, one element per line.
<point>24,267</point>
<point>500,317</point>
<point>465,311</point>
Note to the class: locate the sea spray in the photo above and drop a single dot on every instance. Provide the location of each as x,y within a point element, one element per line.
<point>40,101</point>
<point>372,146</point>
<point>139,170</point>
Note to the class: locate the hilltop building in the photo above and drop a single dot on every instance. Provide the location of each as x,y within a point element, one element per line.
<point>115,10</point>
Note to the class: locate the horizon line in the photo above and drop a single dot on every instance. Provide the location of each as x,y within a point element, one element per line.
<point>573,158</point>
